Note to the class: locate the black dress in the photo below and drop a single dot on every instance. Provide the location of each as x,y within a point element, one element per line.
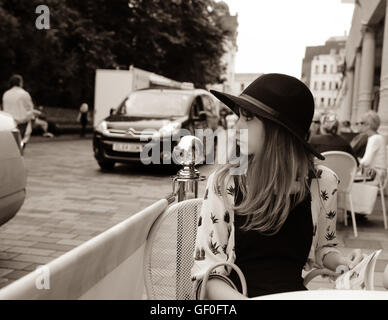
<point>273,264</point>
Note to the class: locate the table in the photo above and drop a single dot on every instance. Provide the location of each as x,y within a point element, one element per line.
<point>327,295</point>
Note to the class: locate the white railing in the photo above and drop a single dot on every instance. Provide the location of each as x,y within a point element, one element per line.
<point>108,266</point>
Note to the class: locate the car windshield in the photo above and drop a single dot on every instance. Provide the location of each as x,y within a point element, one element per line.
<point>156,104</point>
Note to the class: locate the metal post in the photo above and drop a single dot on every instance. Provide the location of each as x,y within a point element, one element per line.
<point>187,179</point>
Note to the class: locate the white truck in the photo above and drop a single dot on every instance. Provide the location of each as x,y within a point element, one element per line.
<point>113,86</point>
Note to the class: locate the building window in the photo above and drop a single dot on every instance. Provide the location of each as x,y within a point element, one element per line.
<point>336,86</point>
<point>242,87</point>
<point>323,86</point>
<point>334,100</point>
<point>330,85</point>
<point>322,101</point>
<point>324,68</point>
<point>329,102</point>
<point>315,85</point>
<point>316,69</point>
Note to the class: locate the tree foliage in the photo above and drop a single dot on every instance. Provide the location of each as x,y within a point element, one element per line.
<point>180,39</point>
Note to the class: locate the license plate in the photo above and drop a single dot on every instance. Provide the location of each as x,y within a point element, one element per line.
<point>127,147</point>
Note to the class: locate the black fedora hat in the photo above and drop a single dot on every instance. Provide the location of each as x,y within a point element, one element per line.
<point>280,98</point>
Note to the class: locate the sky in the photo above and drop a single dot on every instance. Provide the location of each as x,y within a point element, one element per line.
<point>273,34</point>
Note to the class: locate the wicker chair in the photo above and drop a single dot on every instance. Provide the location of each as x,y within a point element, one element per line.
<point>168,256</point>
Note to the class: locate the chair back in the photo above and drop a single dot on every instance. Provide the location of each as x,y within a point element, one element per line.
<point>344,165</point>
<point>168,256</point>
<point>384,177</point>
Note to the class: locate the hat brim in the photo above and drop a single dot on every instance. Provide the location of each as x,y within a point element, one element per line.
<point>235,102</point>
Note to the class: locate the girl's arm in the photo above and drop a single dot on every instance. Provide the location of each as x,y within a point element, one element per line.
<point>338,263</point>
<point>217,289</point>
<point>213,244</point>
<point>327,256</point>
<point>327,220</point>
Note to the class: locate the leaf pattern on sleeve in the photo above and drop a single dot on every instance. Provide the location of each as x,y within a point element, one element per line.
<point>199,254</point>
<point>226,217</point>
<point>213,246</point>
<point>214,240</point>
<point>331,214</point>
<point>324,195</point>
<point>326,239</point>
<point>213,218</point>
<point>330,236</point>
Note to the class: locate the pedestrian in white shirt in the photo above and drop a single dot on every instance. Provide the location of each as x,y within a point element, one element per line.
<point>18,103</point>
<point>375,153</point>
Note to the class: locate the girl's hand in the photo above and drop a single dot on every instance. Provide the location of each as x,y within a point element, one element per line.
<point>349,262</point>
<point>338,264</point>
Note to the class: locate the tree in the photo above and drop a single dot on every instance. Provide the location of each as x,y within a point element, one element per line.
<point>180,39</point>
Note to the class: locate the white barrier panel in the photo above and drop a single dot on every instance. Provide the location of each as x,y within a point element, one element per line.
<point>108,266</point>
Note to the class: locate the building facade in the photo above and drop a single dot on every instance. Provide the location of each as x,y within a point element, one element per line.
<point>326,78</point>
<point>333,45</point>
<point>366,60</point>
<point>243,80</point>
<point>322,72</point>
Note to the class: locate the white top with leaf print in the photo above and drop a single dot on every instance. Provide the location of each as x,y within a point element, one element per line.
<point>215,233</point>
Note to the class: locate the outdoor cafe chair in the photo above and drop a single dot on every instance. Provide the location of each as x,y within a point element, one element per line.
<point>168,255</point>
<point>345,166</point>
<point>382,185</point>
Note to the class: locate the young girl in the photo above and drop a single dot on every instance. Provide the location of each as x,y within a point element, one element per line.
<point>279,215</point>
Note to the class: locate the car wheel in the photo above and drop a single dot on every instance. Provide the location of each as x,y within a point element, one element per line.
<point>106,165</point>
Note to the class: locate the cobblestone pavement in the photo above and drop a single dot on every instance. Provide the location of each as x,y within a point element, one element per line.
<point>69,200</point>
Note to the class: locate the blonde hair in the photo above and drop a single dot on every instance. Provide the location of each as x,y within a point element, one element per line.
<point>270,180</point>
<point>373,119</point>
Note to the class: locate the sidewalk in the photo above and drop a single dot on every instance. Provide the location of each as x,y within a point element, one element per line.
<point>61,137</point>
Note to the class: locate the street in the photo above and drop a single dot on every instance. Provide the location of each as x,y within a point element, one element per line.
<point>69,200</point>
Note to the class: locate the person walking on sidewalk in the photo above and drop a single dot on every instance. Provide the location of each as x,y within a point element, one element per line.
<point>277,216</point>
<point>18,103</point>
<point>83,118</point>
